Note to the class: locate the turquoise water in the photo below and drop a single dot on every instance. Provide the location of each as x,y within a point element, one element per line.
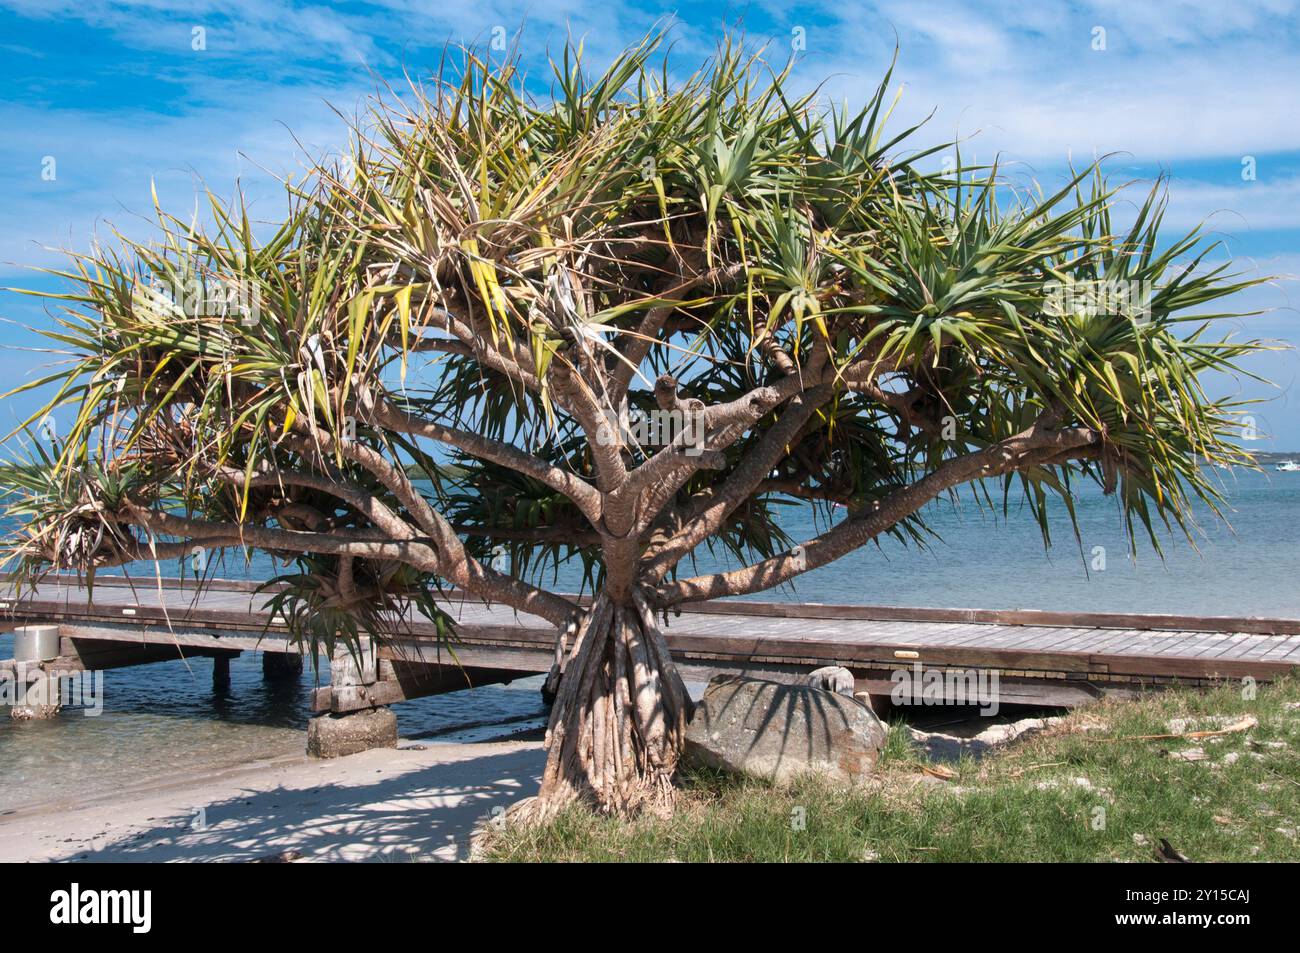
<point>165,718</point>
<point>1245,566</point>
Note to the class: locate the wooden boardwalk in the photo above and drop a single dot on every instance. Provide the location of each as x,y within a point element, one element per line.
<point>1043,657</point>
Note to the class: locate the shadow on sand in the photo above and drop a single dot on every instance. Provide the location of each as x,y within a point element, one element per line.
<point>423,813</point>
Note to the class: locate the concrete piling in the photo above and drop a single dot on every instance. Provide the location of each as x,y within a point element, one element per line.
<point>37,691</point>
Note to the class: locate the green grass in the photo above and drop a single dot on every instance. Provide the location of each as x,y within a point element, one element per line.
<point>1026,803</point>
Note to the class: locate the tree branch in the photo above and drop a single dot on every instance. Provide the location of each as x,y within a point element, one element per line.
<point>1032,447</point>
<point>602,436</point>
<point>516,364</point>
<point>583,495</point>
<point>355,496</point>
<point>455,564</point>
<point>704,519</point>
<point>646,334</point>
<point>419,554</point>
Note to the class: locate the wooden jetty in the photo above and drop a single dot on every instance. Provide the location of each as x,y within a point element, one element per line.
<point>1044,658</point>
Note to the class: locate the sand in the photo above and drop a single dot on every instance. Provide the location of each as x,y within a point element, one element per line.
<point>411,803</point>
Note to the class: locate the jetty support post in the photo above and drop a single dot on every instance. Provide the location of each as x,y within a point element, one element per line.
<point>37,690</point>
<point>221,674</point>
<point>37,695</point>
<point>355,723</point>
<point>281,666</point>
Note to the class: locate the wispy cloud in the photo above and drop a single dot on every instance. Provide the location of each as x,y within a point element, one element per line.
<point>1169,81</point>
<point>115,91</point>
<point>1258,205</point>
<point>104,166</point>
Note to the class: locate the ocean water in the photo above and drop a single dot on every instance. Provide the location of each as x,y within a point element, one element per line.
<point>1243,564</point>
<point>165,719</point>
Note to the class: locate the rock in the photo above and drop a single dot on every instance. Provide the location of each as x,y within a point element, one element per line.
<point>1224,723</point>
<point>38,701</point>
<point>940,746</point>
<point>831,678</point>
<point>996,735</point>
<point>778,732</point>
<point>284,857</point>
<point>334,736</point>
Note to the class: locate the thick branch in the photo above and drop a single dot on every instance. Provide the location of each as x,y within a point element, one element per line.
<point>777,355</point>
<point>647,332</point>
<point>637,348</point>
<point>900,402</point>
<point>419,554</point>
<point>355,496</point>
<point>703,520</point>
<point>583,495</point>
<point>601,433</point>
<point>515,365</point>
<point>139,552</point>
<point>454,563</point>
<point>800,488</point>
<point>1034,447</point>
<point>698,447</point>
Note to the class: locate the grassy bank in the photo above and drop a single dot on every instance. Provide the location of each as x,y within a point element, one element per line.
<point>1088,789</point>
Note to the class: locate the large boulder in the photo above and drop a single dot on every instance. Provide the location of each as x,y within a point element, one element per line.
<point>779,732</point>
<point>831,678</point>
<point>337,736</point>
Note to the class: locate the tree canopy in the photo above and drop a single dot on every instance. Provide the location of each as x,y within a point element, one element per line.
<point>614,323</point>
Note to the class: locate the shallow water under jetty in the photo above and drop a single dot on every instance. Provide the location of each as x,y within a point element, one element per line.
<point>164,719</point>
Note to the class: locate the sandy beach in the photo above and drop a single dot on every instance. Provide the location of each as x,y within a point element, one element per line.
<point>414,803</point>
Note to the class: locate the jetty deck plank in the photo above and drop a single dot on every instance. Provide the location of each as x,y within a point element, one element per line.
<point>865,636</point>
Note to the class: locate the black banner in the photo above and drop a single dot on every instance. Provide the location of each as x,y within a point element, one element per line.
<point>142,903</point>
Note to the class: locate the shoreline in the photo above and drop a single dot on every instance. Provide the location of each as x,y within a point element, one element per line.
<point>416,802</point>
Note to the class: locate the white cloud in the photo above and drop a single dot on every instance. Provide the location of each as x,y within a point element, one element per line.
<point>105,164</point>
<point>1173,82</point>
<point>266,79</point>
<point>1239,207</point>
<point>374,34</point>
<point>1156,25</point>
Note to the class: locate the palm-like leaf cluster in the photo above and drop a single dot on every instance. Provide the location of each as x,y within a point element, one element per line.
<point>490,278</point>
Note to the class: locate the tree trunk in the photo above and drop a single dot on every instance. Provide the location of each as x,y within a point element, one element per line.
<point>619,718</point>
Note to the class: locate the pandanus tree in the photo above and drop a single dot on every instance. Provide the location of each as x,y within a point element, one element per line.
<point>618,323</point>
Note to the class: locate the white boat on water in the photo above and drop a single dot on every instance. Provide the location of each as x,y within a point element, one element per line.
<point>1288,466</point>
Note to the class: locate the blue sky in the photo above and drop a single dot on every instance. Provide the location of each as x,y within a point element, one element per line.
<point>118,96</point>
